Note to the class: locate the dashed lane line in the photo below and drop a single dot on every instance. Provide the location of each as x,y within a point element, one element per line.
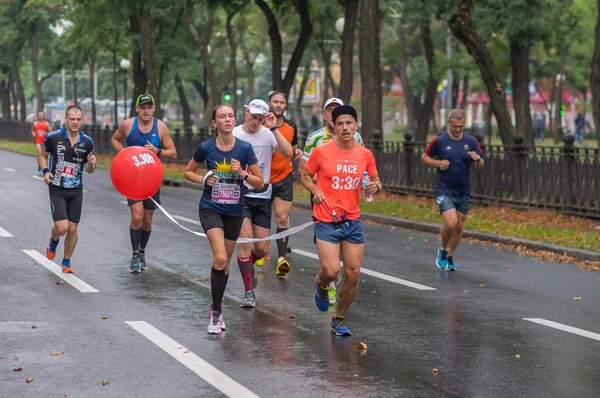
<point>10,169</point>
<point>57,270</point>
<point>565,328</point>
<point>202,368</point>
<point>4,233</point>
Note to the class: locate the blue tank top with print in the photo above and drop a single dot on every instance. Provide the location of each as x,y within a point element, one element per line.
<point>137,138</point>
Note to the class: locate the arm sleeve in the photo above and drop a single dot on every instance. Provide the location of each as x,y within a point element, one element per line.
<point>371,165</point>
<point>250,155</point>
<point>199,155</point>
<point>432,150</point>
<point>312,166</point>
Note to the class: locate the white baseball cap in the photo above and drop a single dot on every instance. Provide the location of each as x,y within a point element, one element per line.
<point>257,107</point>
<point>332,100</point>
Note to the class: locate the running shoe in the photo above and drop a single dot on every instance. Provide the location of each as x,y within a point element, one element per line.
<point>288,248</point>
<point>260,262</point>
<point>216,324</point>
<point>339,328</point>
<point>451,266</point>
<point>143,265</point>
<point>332,294</point>
<point>249,300</point>
<point>66,267</point>
<point>283,267</point>
<point>442,259</point>
<point>135,263</point>
<point>51,249</point>
<point>321,296</point>
<point>254,278</point>
<point>39,169</point>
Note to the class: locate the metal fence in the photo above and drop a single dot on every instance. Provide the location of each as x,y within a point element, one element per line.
<point>565,178</point>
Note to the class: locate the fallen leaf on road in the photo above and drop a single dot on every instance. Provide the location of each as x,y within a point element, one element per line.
<point>292,316</point>
<point>180,348</point>
<point>104,318</point>
<point>480,284</point>
<point>60,282</point>
<point>109,343</point>
<point>407,248</point>
<point>525,278</point>
<point>16,358</point>
<point>427,240</point>
<point>56,353</point>
<point>66,394</point>
<point>434,371</point>
<point>410,238</point>
<point>200,280</point>
<point>509,270</point>
<point>20,368</point>
<point>361,346</point>
<point>466,291</point>
<point>577,298</point>
<point>374,291</point>
<point>29,379</point>
<point>517,356</point>
<point>3,357</point>
<point>34,327</point>
<point>531,283</point>
<point>186,351</point>
<point>105,382</point>
<point>301,269</point>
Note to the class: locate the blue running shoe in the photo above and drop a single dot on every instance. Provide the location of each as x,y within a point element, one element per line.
<point>51,249</point>
<point>451,266</point>
<point>442,259</point>
<point>135,263</point>
<point>321,297</point>
<point>143,265</point>
<point>338,326</point>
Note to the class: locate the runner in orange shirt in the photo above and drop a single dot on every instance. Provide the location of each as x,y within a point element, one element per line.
<point>39,131</point>
<point>339,165</point>
<point>282,179</point>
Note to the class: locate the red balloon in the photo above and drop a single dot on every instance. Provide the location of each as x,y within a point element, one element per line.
<point>136,173</point>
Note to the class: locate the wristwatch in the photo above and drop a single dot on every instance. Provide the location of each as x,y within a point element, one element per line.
<point>158,152</point>
<point>245,177</point>
<point>478,158</point>
<point>273,128</point>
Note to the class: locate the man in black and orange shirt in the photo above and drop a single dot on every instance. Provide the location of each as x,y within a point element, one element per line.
<point>282,179</point>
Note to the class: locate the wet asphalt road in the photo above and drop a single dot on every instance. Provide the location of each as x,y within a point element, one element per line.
<point>470,328</point>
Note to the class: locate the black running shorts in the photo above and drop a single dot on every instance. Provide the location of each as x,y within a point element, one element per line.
<point>148,204</point>
<point>66,203</point>
<point>258,210</point>
<point>284,189</point>
<point>231,225</point>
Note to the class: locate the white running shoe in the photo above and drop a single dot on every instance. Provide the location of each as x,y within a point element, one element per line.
<point>216,323</point>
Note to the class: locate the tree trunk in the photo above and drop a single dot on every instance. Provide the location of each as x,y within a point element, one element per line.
<point>151,78</point>
<point>465,92</point>
<point>463,30</point>
<point>139,73</point>
<point>284,85</point>
<point>115,92</point>
<point>92,68</point>
<point>558,98</point>
<point>347,51</point>
<point>370,70</point>
<point>5,93</point>
<point>232,71</point>
<point>203,48</point>
<point>39,96</point>
<point>15,101</point>
<point>455,89</point>
<point>185,107</point>
<point>431,90</point>
<point>409,98</point>
<point>300,94</point>
<point>16,78</point>
<point>519,54</point>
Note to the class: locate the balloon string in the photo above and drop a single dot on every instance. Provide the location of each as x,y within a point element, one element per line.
<point>278,235</point>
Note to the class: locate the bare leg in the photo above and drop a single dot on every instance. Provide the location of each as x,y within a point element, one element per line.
<point>352,255</point>
<point>450,220</point>
<point>456,233</point>
<point>71,240</point>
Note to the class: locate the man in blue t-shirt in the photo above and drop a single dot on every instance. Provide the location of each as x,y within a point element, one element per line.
<point>453,153</point>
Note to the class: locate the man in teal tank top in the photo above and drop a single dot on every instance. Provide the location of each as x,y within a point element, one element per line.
<point>147,131</point>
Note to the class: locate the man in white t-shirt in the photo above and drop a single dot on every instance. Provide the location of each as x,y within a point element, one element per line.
<point>257,204</point>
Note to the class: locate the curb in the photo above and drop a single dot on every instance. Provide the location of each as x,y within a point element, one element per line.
<point>435,228</point>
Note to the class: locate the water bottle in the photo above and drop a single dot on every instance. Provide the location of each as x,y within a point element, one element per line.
<point>365,180</point>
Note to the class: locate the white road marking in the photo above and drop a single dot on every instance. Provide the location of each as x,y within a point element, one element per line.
<point>565,328</point>
<point>205,370</point>
<point>37,177</point>
<point>10,169</point>
<point>372,273</point>
<point>85,190</point>
<point>123,201</point>
<point>57,270</point>
<point>181,218</point>
<point>4,233</point>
